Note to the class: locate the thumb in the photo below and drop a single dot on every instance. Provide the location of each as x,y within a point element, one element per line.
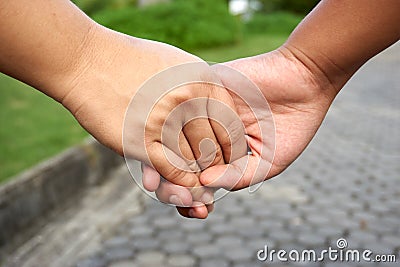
<point>244,172</point>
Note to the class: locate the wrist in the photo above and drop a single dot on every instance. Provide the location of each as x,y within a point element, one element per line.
<point>322,71</point>
<point>78,65</point>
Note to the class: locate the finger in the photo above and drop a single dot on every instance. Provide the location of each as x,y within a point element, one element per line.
<point>227,126</point>
<point>150,178</point>
<point>199,211</point>
<point>244,172</point>
<point>174,169</point>
<point>174,194</point>
<point>170,193</point>
<point>203,142</point>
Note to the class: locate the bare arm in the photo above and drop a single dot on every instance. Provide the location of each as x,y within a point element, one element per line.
<point>94,72</point>
<point>339,36</point>
<point>44,43</point>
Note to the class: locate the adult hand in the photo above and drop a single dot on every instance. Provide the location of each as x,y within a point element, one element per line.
<point>298,100</point>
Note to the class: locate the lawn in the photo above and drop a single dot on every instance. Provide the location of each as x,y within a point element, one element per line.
<point>33,127</point>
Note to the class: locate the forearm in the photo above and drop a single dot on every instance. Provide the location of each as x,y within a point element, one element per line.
<point>42,42</point>
<point>339,36</point>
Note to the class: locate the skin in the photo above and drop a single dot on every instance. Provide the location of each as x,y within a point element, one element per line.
<point>94,72</point>
<point>302,77</point>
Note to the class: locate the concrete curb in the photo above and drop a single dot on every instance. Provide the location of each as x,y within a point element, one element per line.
<point>29,199</point>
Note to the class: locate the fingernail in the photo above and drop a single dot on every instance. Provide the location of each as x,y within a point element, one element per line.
<point>174,199</point>
<point>207,198</point>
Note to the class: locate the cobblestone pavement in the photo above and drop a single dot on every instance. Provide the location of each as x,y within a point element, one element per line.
<point>345,185</point>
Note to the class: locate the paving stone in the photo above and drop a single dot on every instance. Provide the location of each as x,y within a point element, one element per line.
<point>391,240</point>
<point>349,224</point>
<point>181,260</point>
<point>318,219</point>
<point>92,262</point>
<point>311,240</point>
<point>380,228</point>
<point>151,258</point>
<point>379,209</point>
<point>322,201</point>
<point>390,220</point>
<point>130,263</point>
<point>193,225</point>
<point>261,212</point>
<point>253,232</point>
<point>229,240</point>
<point>158,211</point>
<point>365,218</point>
<point>215,218</point>
<point>281,236</point>
<point>116,254</point>
<point>286,214</point>
<point>165,223</point>
<point>176,247</point>
<point>280,207</point>
<point>214,263</point>
<point>330,233</point>
<point>198,238</point>
<point>235,211</point>
<point>393,203</point>
<point>222,229</point>
<point>305,210</point>
<point>364,238</point>
<point>271,224</point>
<point>243,222</point>
<point>336,214</point>
<point>170,235</point>
<point>141,231</point>
<point>298,225</point>
<point>118,241</point>
<point>238,254</point>
<point>207,251</point>
<point>138,221</point>
<point>352,206</point>
<point>146,243</point>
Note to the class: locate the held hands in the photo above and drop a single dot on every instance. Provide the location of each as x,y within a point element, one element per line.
<point>105,83</point>
<point>298,101</point>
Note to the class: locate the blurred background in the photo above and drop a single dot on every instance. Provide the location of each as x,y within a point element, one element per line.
<point>81,208</point>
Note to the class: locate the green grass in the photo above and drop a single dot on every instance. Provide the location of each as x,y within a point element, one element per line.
<point>251,45</point>
<point>34,127</point>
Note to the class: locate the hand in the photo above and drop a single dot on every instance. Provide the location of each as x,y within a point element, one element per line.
<point>298,100</point>
<point>104,86</point>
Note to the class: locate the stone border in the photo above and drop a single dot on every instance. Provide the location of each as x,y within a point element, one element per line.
<point>27,200</point>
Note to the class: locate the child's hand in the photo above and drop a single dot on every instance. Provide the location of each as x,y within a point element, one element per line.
<point>101,92</point>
